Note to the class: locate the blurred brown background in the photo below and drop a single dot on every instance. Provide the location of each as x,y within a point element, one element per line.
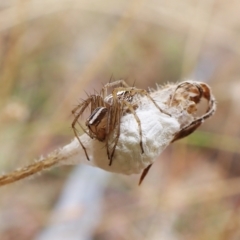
<point>53,51</point>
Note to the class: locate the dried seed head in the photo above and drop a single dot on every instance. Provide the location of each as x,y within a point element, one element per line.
<point>159,129</point>
<point>153,119</point>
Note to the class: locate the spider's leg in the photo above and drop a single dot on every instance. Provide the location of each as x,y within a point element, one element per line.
<point>77,115</point>
<point>112,119</point>
<point>108,132</point>
<point>133,91</point>
<point>95,102</point>
<point>117,83</point>
<point>145,93</point>
<point>113,85</point>
<point>76,135</point>
<point>130,107</point>
<point>118,126</point>
<point>81,109</point>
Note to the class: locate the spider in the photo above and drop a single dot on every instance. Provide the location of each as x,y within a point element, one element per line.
<point>193,92</point>
<point>106,112</point>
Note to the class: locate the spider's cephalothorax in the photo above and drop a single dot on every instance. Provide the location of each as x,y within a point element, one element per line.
<point>106,112</point>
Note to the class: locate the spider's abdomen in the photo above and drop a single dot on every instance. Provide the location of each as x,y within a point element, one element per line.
<point>97,123</point>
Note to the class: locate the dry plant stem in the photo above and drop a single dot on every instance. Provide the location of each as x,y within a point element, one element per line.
<point>29,170</point>
<point>152,128</point>
<point>56,158</point>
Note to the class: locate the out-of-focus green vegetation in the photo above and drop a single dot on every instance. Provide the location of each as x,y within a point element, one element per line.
<point>52,52</point>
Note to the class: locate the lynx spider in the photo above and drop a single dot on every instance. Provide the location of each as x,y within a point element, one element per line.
<point>106,112</point>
